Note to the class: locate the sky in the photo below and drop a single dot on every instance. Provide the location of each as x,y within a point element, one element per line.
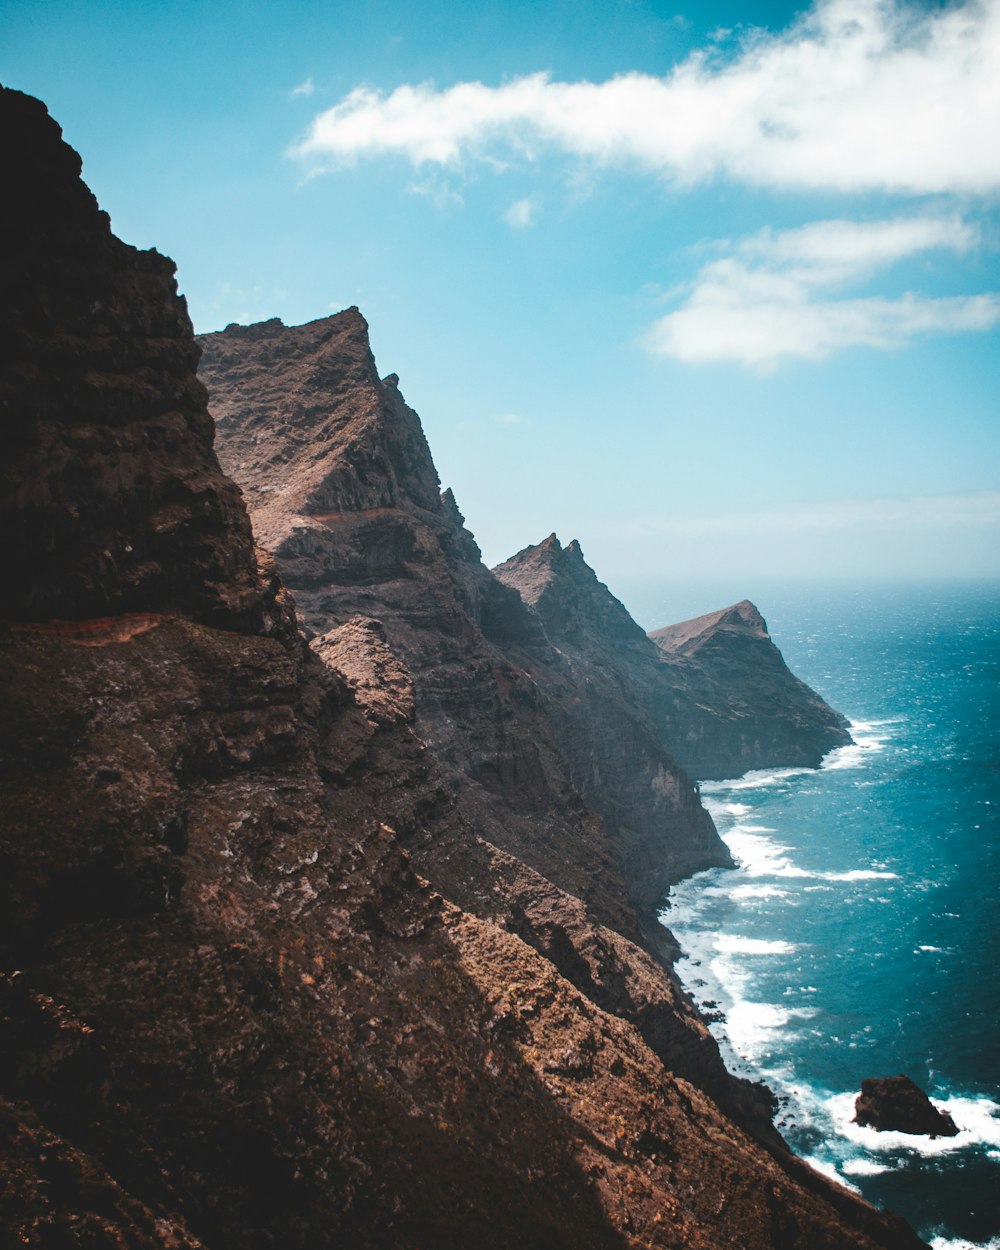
<point>713,288</point>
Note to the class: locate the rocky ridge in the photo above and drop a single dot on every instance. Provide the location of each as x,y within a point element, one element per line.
<point>715,692</point>
<point>233,1013</point>
<point>343,492</point>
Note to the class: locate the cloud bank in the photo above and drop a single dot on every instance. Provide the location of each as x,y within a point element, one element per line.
<point>857,95</point>
<point>769,299</point>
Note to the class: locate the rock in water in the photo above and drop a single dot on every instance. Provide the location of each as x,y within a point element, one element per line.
<point>897,1104</point>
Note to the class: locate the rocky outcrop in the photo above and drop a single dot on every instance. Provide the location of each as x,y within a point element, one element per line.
<point>99,364</point>
<point>232,1014</point>
<point>898,1104</point>
<point>730,703</point>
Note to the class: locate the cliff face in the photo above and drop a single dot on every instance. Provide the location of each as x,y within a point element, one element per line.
<point>231,1012</point>
<point>715,691</point>
<point>733,702</point>
<point>99,359</point>
<point>619,756</point>
<point>343,491</point>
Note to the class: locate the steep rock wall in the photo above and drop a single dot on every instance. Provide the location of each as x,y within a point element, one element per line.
<point>715,691</point>
<point>343,490</point>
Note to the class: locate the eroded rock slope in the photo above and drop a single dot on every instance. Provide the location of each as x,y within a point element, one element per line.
<point>231,1012</point>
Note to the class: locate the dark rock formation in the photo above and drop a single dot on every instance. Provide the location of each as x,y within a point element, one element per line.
<point>714,692</point>
<point>895,1103</point>
<point>232,1014</point>
<point>98,364</point>
<point>730,703</point>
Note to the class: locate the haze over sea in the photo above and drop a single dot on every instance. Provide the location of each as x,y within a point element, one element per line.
<point>858,937</point>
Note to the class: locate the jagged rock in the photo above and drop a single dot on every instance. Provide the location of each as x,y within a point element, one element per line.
<point>343,490</point>
<point>898,1104</point>
<point>240,1018</point>
<point>598,668</point>
<point>99,393</point>
<point>730,703</point>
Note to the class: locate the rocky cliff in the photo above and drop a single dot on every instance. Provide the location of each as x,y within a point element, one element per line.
<point>732,701</point>
<point>620,757</point>
<point>232,1013</point>
<point>343,491</point>
<point>714,692</point>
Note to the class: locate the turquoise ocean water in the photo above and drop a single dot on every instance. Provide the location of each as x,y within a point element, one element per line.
<point>858,937</point>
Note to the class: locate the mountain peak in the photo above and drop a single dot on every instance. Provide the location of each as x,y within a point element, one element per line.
<point>306,423</point>
<point>564,590</point>
<point>688,636</point>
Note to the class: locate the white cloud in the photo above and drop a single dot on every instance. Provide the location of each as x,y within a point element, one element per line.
<point>307,87</point>
<point>858,94</point>
<point>521,214</point>
<point>509,418</point>
<point>769,299</point>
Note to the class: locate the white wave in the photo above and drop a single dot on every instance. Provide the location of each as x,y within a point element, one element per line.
<point>721,812</point>
<point>936,949</point>
<point>734,944</point>
<point>761,856</point>
<point>756,779</point>
<point>869,737</point>
<point>873,728</point>
<point>864,1167</point>
<point>750,1026</point>
<point>859,874</point>
<point>849,757</point>
<point>976,1119</point>
<point>959,1243</point>
<point>829,1171</point>
<point>743,892</point>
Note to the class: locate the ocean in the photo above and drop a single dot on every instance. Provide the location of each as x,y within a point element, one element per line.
<point>858,936</point>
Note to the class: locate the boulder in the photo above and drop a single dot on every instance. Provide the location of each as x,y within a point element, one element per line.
<point>897,1104</point>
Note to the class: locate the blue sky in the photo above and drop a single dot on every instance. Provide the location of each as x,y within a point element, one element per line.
<point>713,288</point>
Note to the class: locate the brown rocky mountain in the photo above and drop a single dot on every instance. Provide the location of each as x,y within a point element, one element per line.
<point>715,690</point>
<point>737,706</point>
<point>234,1010</point>
<point>343,492</point>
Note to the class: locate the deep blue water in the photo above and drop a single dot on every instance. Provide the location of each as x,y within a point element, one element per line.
<point>859,936</point>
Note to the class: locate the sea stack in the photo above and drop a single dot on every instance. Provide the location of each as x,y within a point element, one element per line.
<point>898,1104</point>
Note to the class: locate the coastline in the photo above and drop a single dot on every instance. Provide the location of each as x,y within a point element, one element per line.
<point>746,947</point>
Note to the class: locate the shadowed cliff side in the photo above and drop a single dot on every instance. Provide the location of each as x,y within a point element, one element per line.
<point>620,759</point>
<point>99,365</point>
<point>231,1014</point>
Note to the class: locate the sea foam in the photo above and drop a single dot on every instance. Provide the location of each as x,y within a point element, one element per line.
<point>976,1119</point>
